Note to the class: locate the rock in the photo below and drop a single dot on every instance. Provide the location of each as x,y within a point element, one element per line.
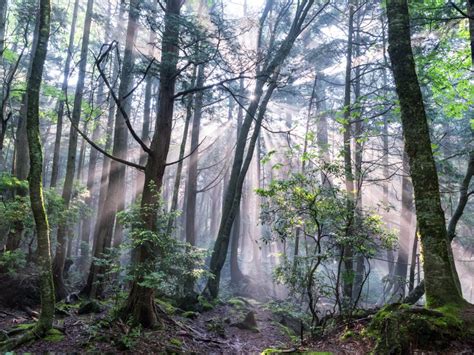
<point>249,323</point>
<point>89,307</point>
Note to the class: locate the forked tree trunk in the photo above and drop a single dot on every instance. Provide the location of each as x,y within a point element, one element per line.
<point>266,76</point>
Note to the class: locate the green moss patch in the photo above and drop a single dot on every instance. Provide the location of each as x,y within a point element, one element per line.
<point>166,306</point>
<point>54,336</point>
<point>398,328</point>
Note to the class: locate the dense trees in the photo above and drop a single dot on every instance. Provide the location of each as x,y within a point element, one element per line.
<point>315,154</point>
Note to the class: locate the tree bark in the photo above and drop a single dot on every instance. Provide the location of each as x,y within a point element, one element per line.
<point>115,197</point>
<point>64,230</point>
<point>59,125</point>
<point>140,303</point>
<point>191,191</point>
<point>45,321</point>
<point>401,266</point>
<point>440,274</point>
<point>182,150</point>
<point>349,178</point>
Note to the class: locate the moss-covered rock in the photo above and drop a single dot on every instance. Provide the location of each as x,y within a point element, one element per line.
<point>249,323</point>
<point>91,306</point>
<point>399,328</point>
<point>190,314</point>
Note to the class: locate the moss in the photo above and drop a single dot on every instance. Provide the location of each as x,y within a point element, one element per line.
<point>54,336</point>
<point>190,314</point>
<point>397,328</point>
<point>166,306</point>
<point>25,326</point>
<point>237,303</point>
<point>347,335</point>
<point>88,307</point>
<point>176,342</point>
<point>205,304</point>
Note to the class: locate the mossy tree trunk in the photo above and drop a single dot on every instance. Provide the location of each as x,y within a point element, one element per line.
<point>45,321</point>
<point>440,274</point>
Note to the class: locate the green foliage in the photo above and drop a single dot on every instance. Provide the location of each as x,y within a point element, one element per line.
<point>173,260</point>
<point>128,341</point>
<point>320,216</point>
<point>12,261</point>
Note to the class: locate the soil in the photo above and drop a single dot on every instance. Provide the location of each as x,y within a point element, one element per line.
<point>213,332</point>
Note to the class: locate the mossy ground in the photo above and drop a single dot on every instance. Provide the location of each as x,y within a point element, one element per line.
<point>399,328</point>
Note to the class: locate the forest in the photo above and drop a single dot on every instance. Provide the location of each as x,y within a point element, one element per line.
<point>237,176</point>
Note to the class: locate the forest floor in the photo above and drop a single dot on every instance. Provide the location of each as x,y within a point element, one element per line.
<point>224,329</point>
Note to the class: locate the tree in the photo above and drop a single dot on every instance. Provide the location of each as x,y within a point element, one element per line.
<point>267,74</point>
<point>440,274</point>
<point>45,322</point>
<point>115,198</point>
<point>64,230</point>
<point>140,303</point>
<point>61,101</point>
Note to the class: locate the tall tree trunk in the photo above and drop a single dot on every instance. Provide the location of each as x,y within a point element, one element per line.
<point>182,150</point>
<point>349,178</point>
<point>401,266</point>
<point>45,321</point>
<point>191,187</point>
<point>440,274</point>
<point>267,76</point>
<point>140,303</point>
<point>64,230</point>
<point>59,125</point>
<point>91,188</point>
<point>235,273</point>
<point>3,23</point>
<point>115,197</point>
<point>191,191</point>
<point>145,137</point>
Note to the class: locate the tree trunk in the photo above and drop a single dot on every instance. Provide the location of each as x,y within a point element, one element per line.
<point>268,75</point>
<point>140,303</point>
<point>191,191</point>
<point>45,321</point>
<point>115,197</point>
<point>59,125</point>
<point>440,274</point>
<point>64,230</point>
<point>91,188</point>
<point>401,266</point>
<point>182,150</point>
<point>3,23</point>
<point>349,178</point>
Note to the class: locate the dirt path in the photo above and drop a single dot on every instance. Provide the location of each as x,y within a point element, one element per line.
<point>211,332</point>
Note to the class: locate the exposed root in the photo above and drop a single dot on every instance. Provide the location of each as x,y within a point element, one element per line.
<point>17,337</point>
